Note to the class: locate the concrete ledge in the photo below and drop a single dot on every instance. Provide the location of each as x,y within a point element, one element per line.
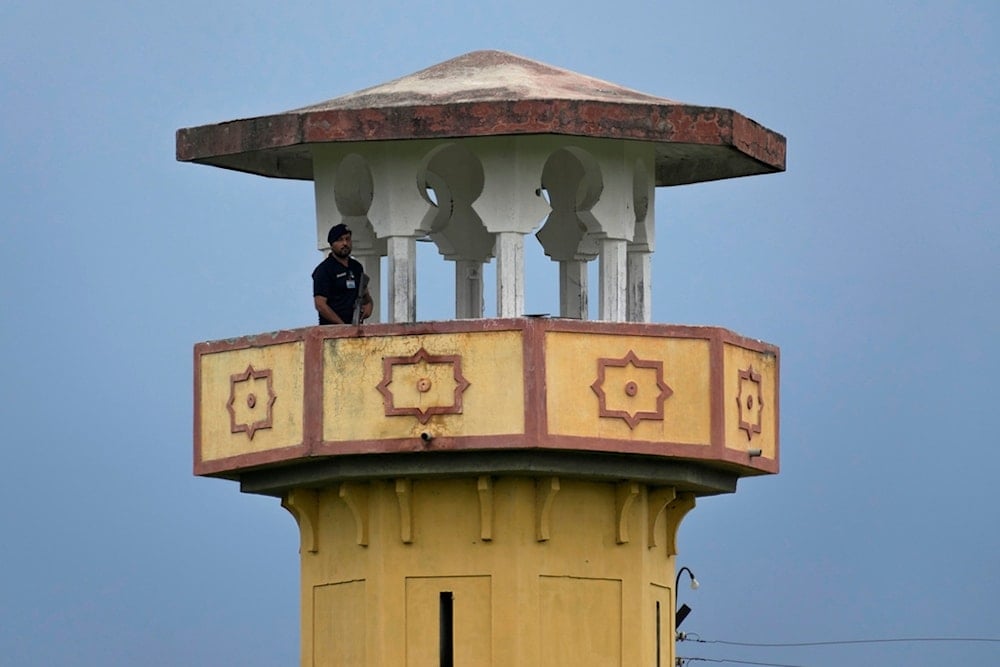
<point>683,475</point>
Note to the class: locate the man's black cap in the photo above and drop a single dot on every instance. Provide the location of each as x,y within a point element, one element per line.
<point>336,232</point>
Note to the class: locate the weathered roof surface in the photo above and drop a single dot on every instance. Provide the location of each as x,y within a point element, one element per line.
<point>489,93</point>
<point>486,76</point>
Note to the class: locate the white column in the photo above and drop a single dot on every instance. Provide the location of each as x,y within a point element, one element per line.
<point>510,274</point>
<point>613,271</point>
<point>402,295</point>
<point>639,307</point>
<point>398,214</point>
<point>510,207</point>
<point>640,250</point>
<point>468,289</point>
<point>573,289</point>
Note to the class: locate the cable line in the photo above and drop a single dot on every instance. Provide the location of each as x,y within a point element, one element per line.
<point>738,662</point>
<point>845,641</point>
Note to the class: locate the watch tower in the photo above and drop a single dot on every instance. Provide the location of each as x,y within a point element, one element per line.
<point>490,491</point>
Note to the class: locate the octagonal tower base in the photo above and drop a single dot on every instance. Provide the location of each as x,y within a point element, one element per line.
<point>487,492</point>
<point>487,570</point>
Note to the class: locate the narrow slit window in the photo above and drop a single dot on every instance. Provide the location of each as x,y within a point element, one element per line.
<point>446,638</point>
<point>658,634</point>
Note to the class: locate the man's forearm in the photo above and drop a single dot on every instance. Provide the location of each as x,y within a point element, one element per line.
<point>327,313</point>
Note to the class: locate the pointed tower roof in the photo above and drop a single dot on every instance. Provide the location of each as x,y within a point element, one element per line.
<point>486,76</point>
<point>490,93</point>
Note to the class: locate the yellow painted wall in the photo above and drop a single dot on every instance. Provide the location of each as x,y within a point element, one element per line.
<point>338,618</point>
<point>620,392</point>
<point>587,610</point>
<point>572,365</point>
<point>492,404</point>
<point>737,391</point>
<point>472,608</point>
<point>584,595</point>
<point>285,362</point>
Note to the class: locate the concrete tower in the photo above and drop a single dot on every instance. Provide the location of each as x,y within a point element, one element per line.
<point>490,491</point>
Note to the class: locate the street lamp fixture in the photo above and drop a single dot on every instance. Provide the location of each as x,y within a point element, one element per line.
<point>683,611</point>
<point>694,582</point>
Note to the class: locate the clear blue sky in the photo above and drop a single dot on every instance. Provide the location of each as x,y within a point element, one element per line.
<point>874,262</point>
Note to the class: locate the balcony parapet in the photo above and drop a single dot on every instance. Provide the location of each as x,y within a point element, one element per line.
<point>696,407</point>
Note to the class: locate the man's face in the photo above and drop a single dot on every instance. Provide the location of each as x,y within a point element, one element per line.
<point>341,246</point>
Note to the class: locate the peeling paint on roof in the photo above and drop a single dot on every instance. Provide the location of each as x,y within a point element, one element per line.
<point>487,94</point>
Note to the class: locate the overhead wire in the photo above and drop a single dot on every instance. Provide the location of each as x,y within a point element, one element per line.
<point>688,637</point>
<point>737,662</point>
<point>693,637</point>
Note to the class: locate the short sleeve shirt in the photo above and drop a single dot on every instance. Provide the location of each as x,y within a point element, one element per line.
<point>339,284</point>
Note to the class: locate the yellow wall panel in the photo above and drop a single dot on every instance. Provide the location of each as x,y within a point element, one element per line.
<point>630,386</point>
<point>277,372</point>
<point>471,602</point>
<point>492,403</point>
<point>751,400</point>
<point>581,622</point>
<point>339,625</point>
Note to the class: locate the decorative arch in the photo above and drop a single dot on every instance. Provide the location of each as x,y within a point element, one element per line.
<point>456,178</point>
<point>572,179</point>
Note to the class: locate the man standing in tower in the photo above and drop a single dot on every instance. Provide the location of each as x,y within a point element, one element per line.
<point>337,282</point>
